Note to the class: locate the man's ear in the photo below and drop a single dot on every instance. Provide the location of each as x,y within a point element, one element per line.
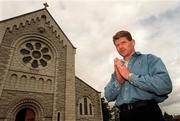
<point>133,42</point>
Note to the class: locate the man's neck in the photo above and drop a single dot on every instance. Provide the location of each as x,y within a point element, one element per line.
<point>128,57</point>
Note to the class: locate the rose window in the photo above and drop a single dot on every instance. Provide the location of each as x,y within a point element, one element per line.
<point>35,54</point>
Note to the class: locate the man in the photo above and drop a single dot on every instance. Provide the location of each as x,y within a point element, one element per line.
<point>139,82</point>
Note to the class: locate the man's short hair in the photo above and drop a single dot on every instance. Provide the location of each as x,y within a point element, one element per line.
<point>122,33</point>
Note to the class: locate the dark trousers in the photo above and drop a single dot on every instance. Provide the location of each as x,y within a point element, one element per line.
<point>150,112</point>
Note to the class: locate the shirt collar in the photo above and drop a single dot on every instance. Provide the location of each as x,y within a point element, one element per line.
<point>133,55</point>
<point>133,58</point>
<point>136,53</point>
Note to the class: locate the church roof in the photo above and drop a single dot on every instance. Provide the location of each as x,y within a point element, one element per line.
<point>87,84</point>
<point>28,17</point>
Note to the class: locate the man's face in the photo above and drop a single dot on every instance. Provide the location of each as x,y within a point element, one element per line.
<point>124,46</point>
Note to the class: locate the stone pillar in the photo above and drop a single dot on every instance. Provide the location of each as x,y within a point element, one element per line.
<point>2,32</point>
<point>70,101</point>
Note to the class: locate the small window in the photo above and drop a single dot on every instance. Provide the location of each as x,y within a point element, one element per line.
<point>90,109</point>
<point>85,107</point>
<point>80,108</point>
<point>58,118</point>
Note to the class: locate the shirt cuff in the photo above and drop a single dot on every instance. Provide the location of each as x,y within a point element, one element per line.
<point>132,77</point>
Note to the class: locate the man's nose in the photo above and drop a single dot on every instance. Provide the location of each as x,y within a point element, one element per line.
<point>120,46</point>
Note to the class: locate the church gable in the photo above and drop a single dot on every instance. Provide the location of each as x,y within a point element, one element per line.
<point>88,102</point>
<point>30,18</point>
<point>34,46</point>
<point>36,60</point>
<point>37,73</point>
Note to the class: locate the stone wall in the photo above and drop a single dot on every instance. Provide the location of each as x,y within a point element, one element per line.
<point>48,89</point>
<point>12,101</point>
<point>84,90</point>
<point>18,79</point>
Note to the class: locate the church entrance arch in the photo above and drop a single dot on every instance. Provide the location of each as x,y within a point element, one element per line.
<point>25,114</point>
<point>26,110</point>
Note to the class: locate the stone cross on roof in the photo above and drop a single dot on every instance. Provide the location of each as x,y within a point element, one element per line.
<point>45,5</point>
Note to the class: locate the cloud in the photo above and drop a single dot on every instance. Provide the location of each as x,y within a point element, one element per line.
<point>90,25</point>
<point>172,109</point>
<point>11,8</point>
<point>163,41</point>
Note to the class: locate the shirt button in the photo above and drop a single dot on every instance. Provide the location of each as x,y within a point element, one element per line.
<point>126,88</point>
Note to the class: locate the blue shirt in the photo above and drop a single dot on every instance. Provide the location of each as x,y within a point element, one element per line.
<point>149,81</point>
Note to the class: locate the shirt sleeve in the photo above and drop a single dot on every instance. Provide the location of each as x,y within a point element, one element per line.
<point>112,89</point>
<point>156,81</point>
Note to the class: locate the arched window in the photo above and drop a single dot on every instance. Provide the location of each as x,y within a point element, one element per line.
<point>23,81</point>
<point>90,109</point>
<point>85,107</point>
<point>80,108</point>
<point>58,116</point>
<point>13,80</point>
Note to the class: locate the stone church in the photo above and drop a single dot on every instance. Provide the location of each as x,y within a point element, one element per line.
<point>37,73</point>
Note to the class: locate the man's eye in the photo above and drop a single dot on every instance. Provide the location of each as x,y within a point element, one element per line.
<point>123,42</point>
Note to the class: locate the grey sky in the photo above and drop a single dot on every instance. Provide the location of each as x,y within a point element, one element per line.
<point>90,25</point>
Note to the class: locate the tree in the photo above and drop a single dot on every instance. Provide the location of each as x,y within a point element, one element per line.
<point>105,110</point>
<point>168,117</point>
<point>115,114</point>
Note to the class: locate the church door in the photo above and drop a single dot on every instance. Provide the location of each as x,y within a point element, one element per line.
<point>25,114</point>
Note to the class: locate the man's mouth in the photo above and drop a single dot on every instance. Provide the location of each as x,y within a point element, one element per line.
<point>122,51</point>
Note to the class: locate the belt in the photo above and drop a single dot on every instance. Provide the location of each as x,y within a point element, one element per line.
<point>135,105</point>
